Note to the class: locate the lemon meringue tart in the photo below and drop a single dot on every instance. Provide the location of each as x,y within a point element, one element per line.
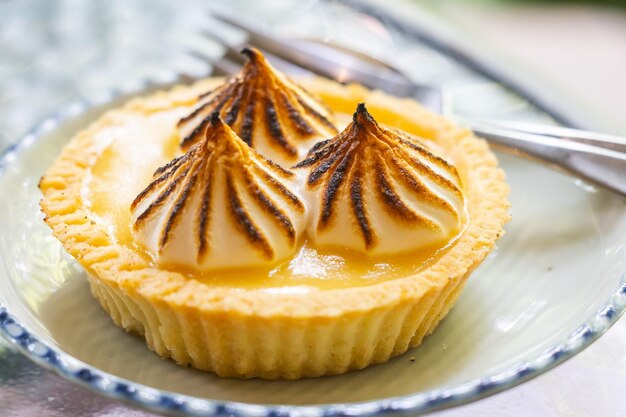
<point>259,227</point>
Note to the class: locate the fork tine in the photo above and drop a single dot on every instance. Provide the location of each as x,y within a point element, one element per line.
<point>231,49</point>
<point>221,67</point>
<point>233,54</point>
<point>225,67</point>
<point>341,66</point>
<point>611,142</point>
<point>266,43</point>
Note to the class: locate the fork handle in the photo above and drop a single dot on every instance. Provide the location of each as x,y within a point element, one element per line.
<point>612,142</point>
<point>602,166</point>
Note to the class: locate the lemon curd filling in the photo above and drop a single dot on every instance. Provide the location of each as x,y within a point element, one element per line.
<point>133,150</point>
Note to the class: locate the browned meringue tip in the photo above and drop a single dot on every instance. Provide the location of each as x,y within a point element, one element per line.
<point>216,118</point>
<point>362,116</point>
<point>360,112</point>
<point>268,111</point>
<point>251,53</point>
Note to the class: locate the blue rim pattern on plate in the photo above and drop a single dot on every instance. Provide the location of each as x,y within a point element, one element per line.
<point>177,404</point>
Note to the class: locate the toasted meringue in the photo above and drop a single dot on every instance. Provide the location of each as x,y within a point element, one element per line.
<point>271,113</point>
<point>221,204</point>
<point>380,192</point>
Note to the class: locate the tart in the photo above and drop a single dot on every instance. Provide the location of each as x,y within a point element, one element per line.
<point>259,227</point>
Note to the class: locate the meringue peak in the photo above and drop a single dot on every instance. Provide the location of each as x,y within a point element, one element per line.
<point>370,185</point>
<point>220,204</point>
<point>267,110</point>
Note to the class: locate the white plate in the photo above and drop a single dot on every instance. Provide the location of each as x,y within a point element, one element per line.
<point>555,283</point>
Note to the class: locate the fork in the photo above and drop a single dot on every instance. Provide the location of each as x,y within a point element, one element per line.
<point>595,157</point>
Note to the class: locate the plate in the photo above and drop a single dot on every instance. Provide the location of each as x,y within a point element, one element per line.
<point>555,283</point>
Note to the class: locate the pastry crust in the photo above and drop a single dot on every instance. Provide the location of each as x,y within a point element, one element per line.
<point>253,334</point>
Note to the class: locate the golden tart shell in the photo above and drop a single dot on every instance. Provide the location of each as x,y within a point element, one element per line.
<point>253,334</point>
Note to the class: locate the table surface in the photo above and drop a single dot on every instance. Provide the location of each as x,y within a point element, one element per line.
<point>86,48</point>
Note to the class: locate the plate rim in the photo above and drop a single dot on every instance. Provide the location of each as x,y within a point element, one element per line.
<point>167,402</point>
